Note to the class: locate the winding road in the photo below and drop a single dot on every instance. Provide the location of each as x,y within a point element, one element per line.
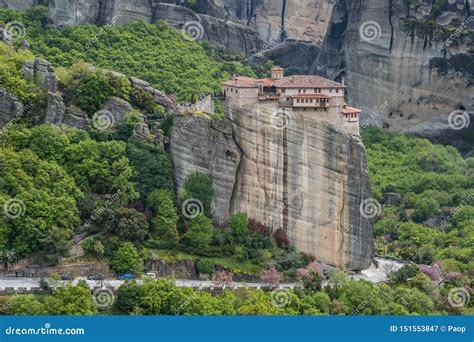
<point>374,274</point>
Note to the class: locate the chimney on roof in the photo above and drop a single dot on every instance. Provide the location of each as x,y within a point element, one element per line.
<point>277,73</point>
<point>343,81</point>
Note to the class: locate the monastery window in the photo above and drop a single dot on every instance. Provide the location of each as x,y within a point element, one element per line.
<point>283,90</point>
<point>304,91</point>
<point>236,91</point>
<point>337,91</point>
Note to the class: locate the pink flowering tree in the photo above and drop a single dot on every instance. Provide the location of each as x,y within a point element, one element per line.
<point>311,276</point>
<point>431,271</point>
<point>271,278</point>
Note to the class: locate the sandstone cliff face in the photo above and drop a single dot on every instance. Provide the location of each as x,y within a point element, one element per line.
<point>199,144</point>
<point>234,36</point>
<point>10,107</point>
<point>400,78</point>
<point>305,20</point>
<point>18,4</point>
<point>240,26</point>
<point>308,178</point>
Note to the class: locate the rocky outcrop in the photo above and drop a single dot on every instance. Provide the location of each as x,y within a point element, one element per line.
<point>240,26</point>
<point>55,109</point>
<point>5,37</point>
<point>10,107</point>
<point>41,72</point>
<point>398,70</point>
<point>200,144</point>
<point>296,57</point>
<point>74,117</point>
<point>18,4</point>
<point>305,20</point>
<point>308,178</point>
<point>167,101</point>
<point>118,107</point>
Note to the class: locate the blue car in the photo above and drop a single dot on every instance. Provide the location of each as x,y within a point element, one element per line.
<point>126,276</point>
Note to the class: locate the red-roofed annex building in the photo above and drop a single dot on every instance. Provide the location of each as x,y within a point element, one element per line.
<point>310,96</point>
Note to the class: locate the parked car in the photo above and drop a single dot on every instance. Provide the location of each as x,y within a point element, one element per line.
<point>98,276</point>
<point>150,275</point>
<point>126,276</point>
<point>65,276</point>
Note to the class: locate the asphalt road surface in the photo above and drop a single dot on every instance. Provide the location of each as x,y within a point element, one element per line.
<point>373,273</point>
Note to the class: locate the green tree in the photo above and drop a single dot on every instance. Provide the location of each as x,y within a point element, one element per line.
<point>199,235</point>
<point>26,305</point>
<point>92,92</point>
<point>414,300</point>
<point>164,224</point>
<point>128,298</point>
<point>426,208</point>
<point>71,300</point>
<point>239,224</point>
<point>362,298</point>
<point>131,225</point>
<point>199,186</point>
<point>127,259</point>
<point>153,167</point>
<point>43,199</point>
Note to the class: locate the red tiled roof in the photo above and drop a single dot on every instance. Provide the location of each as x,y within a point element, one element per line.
<point>306,81</point>
<point>241,82</point>
<point>267,82</point>
<point>349,110</point>
<point>297,81</point>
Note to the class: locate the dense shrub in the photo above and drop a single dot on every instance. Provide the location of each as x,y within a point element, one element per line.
<point>205,266</point>
<point>199,186</point>
<point>238,223</point>
<point>199,234</point>
<point>127,259</point>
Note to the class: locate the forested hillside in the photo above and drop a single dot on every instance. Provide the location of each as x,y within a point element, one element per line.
<point>114,191</point>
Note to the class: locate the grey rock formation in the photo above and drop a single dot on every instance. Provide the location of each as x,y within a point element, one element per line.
<point>305,20</point>
<point>5,37</point>
<point>55,109</point>
<point>42,73</point>
<point>10,107</point>
<point>18,4</point>
<point>118,107</point>
<point>74,117</point>
<point>167,101</point>
<point>234,37</point>
<point>200,144</point>
<point>400,78</point>
<point>309,179</point>
<point>293,55</point>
